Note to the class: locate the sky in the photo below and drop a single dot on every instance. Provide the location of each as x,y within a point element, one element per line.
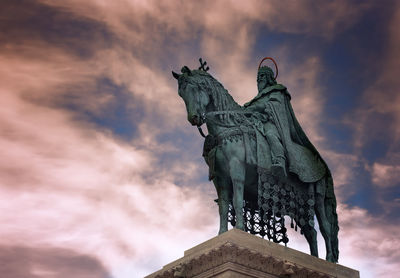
<point>101,174</point>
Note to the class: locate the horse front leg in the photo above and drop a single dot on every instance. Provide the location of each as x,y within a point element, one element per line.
<point>237,173</point>
<point>222,187</point>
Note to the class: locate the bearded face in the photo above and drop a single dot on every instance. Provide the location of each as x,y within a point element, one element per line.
<point>261,81</point>
<point>265,78</point>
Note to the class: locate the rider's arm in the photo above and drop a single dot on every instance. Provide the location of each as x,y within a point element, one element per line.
<point>276,96</point>
<point>256,106</point>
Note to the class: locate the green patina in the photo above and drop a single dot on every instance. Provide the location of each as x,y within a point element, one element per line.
<point>260,160</point>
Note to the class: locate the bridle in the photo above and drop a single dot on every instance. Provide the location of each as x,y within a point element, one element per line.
<point>203,119</point>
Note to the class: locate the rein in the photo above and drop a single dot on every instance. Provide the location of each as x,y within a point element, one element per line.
<point>237,120</point>
<point>201,131</point>
<point>203,118</point>
<point>224,113</point>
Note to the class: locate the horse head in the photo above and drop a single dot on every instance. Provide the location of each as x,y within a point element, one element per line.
<point>194,92</point>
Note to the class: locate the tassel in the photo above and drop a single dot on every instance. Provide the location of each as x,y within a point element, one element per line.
<point>291,223</point>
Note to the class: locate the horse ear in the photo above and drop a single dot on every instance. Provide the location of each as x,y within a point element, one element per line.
<point>176,75</point>
<point>185,69</point>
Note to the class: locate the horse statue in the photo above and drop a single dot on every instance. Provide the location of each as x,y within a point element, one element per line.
<point>261,162</point>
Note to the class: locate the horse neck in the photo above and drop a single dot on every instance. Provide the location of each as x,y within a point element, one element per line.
<point>220,112</point>
<point>222,101</point>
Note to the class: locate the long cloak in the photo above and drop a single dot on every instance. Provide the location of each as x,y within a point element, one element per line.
<point>303,158</point>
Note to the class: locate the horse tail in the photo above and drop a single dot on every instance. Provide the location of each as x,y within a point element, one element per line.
<point>330,210</point>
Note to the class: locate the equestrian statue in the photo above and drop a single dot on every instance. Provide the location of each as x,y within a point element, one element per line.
<point>261,162</point>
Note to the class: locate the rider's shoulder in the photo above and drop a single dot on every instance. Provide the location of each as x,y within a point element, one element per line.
<point>267,91</point>
<point>274,88</point>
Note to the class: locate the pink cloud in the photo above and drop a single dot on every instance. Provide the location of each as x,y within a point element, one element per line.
<point>24,262</point>
<point>385,175</point>
<point>68,183</point>
<point>223,24</point>
<point>382,97</point>
<point>324,19</point>
<point>368,242</point>
<point>65,183</point>
<point>305,17</point>
<point>378,118</point>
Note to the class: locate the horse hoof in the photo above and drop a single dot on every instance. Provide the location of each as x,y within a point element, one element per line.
<point>239,227</point>
<point>330,258</point>
<point>221,231</point>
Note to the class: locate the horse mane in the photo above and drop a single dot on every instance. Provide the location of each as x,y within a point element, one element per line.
<point>223,101</point>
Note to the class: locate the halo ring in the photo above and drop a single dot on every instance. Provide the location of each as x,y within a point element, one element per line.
<point>276,66</point>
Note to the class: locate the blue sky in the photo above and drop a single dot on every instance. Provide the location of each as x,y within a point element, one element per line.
<point>100,163</point>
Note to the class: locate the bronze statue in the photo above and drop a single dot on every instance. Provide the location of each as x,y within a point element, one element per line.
<point>261,162</point>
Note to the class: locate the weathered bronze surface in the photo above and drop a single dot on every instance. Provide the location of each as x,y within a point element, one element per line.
<point>260,160</point>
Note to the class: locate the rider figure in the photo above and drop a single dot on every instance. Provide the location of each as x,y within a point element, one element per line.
<point>270,98</point>
<point>291,150</point>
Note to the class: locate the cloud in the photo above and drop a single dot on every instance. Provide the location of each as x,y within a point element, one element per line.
<point>376,123</point>
<point>301,17</point>
<point>370,243</point>
<point>134,205</point>
<point>344,171</point>
<point>65,185</point>
<point>142,28</point>
<point>378,114</point>
<point>366,243</point>
<point>25,262</point>
<point>67,182</point>
<point>305,17</point>
<point>385,175</point>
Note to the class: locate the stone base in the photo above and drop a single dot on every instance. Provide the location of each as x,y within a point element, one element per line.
<point>236,254</point>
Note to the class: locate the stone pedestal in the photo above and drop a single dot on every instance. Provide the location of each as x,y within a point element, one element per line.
<point>236,254</point>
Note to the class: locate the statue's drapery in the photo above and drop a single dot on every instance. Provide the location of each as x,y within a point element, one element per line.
<point>302,157</point>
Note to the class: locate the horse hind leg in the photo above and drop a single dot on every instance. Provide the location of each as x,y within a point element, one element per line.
<point>324,225</point>
<point>311,236</point>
